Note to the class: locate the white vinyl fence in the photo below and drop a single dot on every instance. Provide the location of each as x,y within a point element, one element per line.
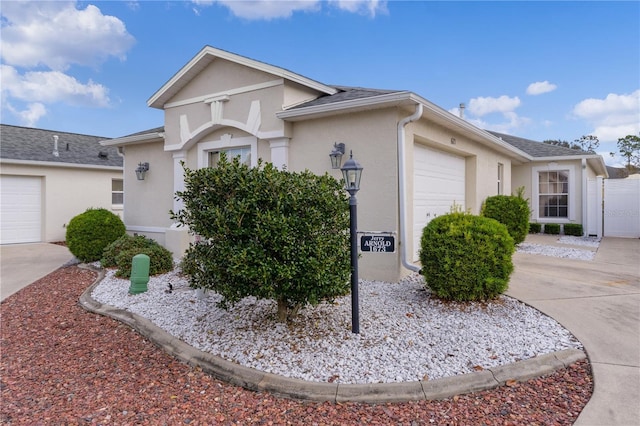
<point>622,208</point>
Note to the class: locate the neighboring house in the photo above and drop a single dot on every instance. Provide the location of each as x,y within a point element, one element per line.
<point>48,177</point>
<point>563,185</point>
<point>419,159</point>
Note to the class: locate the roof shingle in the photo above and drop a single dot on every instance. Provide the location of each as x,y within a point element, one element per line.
<point>30,144</point>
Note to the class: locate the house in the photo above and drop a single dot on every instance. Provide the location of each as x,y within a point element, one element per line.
<point>419,160</point>
<point>563,185</point>
<point>48,177</point>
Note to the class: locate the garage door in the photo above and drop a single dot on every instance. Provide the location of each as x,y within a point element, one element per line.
<point>20,209</point>
<point>438,184</point>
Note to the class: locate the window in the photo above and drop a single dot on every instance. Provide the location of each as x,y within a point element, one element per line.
<point>500,178</point>
<point>245,147</point>
<point>244,153</point>
<point>553,194</point>
<point>117,191</point>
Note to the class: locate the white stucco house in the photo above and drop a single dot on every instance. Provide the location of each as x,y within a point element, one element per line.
<point>418,158</point>
<point>48,177</point>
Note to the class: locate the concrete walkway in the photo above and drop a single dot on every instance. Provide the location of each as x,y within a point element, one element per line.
<point>22,264</point>
<point>599,302</point>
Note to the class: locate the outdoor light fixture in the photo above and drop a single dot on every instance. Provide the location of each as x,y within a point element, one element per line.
<point>336,155</point>
<point>352,172</point>
<point>142,170</point>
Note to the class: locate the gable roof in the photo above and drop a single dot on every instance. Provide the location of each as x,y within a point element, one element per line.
<point>206,56</point>
<point>540,151</point>
<point>345,93</point>
<point>27,144</point>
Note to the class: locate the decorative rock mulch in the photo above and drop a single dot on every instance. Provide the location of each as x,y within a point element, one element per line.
<point>63,365</point>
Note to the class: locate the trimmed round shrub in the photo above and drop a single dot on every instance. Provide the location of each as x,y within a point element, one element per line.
<point>510,210</point>
<point>90,232</point>
<point>466,257</point>
<point>120,253</point>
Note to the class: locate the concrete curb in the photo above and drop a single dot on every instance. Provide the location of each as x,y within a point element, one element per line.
<point>256,380</point>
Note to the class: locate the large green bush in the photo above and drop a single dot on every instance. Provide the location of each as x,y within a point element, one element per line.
<point>120,253</point>
<point>510,210</point>
<point>266,233</point>
<point>466,257</point>
<point>90,232</point>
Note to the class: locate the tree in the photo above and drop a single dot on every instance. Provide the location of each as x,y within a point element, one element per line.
<point>629,148</point>
<point>266,233</point>
<point>588,143</point>
<point>558,142</point>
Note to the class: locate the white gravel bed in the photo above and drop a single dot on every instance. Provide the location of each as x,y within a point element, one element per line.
<point>563,252</point>
<point>405,335</point>
<point>579,241</point>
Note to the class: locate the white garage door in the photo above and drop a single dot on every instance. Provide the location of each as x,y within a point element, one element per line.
<point>438,184</point>
<point>20,209</point>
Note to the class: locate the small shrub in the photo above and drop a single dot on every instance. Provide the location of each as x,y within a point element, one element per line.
<point>552,228</point>
<point>120,253</point>
<point>510,210</point>
<point>90,232</point>
<point>535,228</point>
<point>573,229</point>
<point>466,257</point>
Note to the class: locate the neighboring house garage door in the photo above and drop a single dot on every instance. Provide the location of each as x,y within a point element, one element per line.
<point>438,184</point>
<point>20,209</point>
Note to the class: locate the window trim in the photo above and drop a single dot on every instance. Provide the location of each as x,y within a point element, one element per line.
<point>571,196</point>
<point>500,179</point>
<point>117,206</point>
<point>225,142</point>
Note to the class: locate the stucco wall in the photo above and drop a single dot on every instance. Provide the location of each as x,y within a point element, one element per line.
<point>66,193</point>
<point>372,137</point>
<point>523,175</point>
<point>150,199</point>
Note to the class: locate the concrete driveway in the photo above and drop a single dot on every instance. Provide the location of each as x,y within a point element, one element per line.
<point>22,264</point>
<point>599,302</point>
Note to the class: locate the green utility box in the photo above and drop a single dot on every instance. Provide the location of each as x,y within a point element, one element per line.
<point>139,274</point>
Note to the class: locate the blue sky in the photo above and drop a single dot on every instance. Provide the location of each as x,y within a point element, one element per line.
<point>538,69</point>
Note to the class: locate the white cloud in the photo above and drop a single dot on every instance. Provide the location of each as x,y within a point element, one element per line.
<point>482,106</point>
<point>613,117</point>
<point>279,9</point>
<point>266,9</point>
<point>540,87</point>
<point>57,35</point>
<point>40,40</point>
<point>51,87</point>
<point>363,7</point>
<point>30,116</point>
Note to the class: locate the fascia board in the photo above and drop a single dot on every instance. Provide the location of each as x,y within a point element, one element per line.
<point>399,98</point>
<point>389,99</point>
<point>478,134</point>
<point>156,100</point>
<point>61,165</point>
<point>596,161</point>
<point>136,139</point>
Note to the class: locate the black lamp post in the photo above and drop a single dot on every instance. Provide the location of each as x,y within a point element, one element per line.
<point>352,172</point>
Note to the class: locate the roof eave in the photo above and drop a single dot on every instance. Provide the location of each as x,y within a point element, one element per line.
<point>58,164</point>
<point>135,139</point>
<point>596,161</point>
<point>207,55</point>
<point>400,99</point>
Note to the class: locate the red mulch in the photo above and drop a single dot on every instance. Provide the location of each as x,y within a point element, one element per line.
<point>63,365</point>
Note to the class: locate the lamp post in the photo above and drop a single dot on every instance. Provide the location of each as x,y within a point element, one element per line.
<point>352,172</point>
